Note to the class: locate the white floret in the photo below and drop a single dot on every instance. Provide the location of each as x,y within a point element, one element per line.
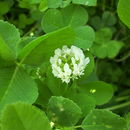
<point>68,63</point>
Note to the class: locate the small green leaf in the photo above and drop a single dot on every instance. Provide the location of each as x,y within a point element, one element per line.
<point>85,102</point>
<point>108,49</point>
<point>22,116</point>
<point>43,5</point>
<point>103,120</point>
<point>103,35</point>
<point>100,91</point>
<point>65,3</point>
<point>104,46</point>
<point>58,3</point>
<point>114,48</point>
<point>85,37</point>
<point>34,1</point>
<point>108,18</point>
<point>85,2</point>
<point>96,22</point>
<point>123,11</point>
<point>54,3</point>
<point>4,7</point>
<point>63,111</point>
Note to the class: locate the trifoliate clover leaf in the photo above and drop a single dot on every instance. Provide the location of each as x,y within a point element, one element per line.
<point>72,15</point>
<point>108,19</point>
<point>104,46</point>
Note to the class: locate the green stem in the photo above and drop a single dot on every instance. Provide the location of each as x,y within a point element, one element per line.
<point>112,4</point>
<point>125,38</point>
<point>123,58</point>
<point>104,5</point>
<point>119,99</point>
<point>31,30</point>
<point>118,106</point>
<point>79,126</point>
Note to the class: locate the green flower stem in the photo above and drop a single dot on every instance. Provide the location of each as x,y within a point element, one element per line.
<point>123,58</point>
<point>79,126</point>
<point>118,106</point>
<point>31,30</point>
<point>119,99</point>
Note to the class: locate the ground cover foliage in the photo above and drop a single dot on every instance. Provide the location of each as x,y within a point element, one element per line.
<point>31,97</point>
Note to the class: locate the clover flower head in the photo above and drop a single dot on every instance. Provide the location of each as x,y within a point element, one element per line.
<point>68,63</point>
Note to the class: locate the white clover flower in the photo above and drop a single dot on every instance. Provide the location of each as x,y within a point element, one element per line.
<point>68,63</point>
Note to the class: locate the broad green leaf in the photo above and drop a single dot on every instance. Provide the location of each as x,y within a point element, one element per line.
<point>52,20</point>
<point>128,120</point>
<point>85,37</point>
<point>85,102</point>
<point>54,84</point>
<point>43,47</point>
<point>9,39</point>
<point>103,120</point>
<point>100,91</point>
<point>63,111</point>
<point>85,2</point>
<point>92,77</point>
<point>22,116</point>
<point>74,15</point>
<point>16,85</point>
<point>24,42</point>
<point>4,63</point>
<point>123,11</point>
<point>44,94</point>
